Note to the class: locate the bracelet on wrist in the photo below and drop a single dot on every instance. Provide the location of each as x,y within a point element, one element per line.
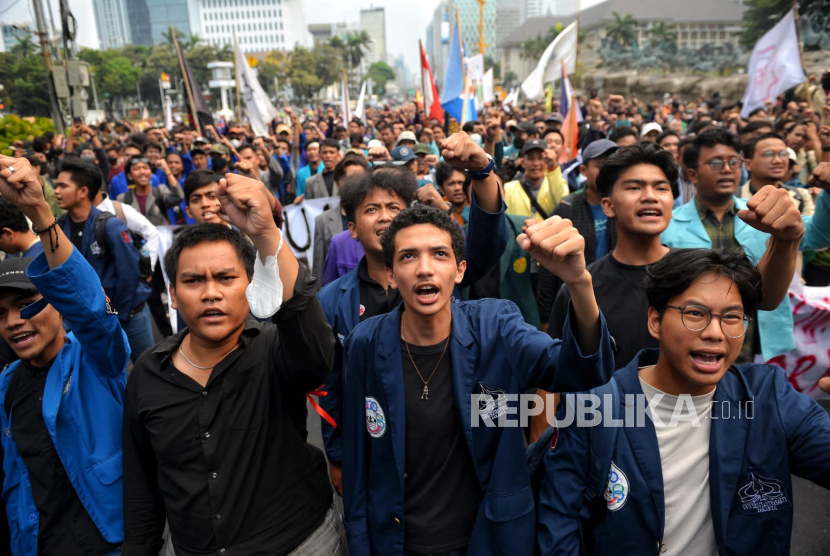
<point>49,229</point>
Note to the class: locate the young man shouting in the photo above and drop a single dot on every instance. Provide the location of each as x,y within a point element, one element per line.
<point>61,414</point>
<point>709,471</point>
<point>214,417</point>
<point>419,476</point>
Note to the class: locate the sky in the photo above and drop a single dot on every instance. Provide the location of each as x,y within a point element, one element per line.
<point>406,21</point>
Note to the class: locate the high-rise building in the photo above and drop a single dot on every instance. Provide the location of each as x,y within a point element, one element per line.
<point>14,33</point>
<point>468,12</point>
<point>112,22</point>
<point>440,31</point>
<point>139,20</point>
<point>373,21</point>
<point>167,13</point>
<point>508,20</point>
<point>260,25</point>
<point>542,8</point>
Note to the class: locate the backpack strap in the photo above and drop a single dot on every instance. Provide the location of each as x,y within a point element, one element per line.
<point>533,200</point>
<point>536,459</point>
<point>119,211</point>
<point>101,232</point>
<point>603,439</point>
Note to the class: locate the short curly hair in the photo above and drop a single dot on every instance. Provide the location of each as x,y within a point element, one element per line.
<point>423,214</point>
<point>644,152</point>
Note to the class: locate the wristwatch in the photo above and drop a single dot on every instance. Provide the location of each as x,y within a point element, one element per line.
<point>484,173</point>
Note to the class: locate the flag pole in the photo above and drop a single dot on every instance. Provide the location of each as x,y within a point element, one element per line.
<point>798,32</point>
<point>238,69</point>
<point>423,84</point>
<point>576,58</point>
<point>463,68</point>
<point>193,113</point>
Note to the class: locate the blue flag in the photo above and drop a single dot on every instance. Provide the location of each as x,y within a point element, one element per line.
<point>452,95</point>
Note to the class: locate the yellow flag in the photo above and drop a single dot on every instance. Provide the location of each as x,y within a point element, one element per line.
<point>252,62</point>
<point>549,99</point>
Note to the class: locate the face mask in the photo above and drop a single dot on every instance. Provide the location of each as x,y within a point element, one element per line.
<point>236,143</point>
<point>218,163</point>
<point>113,161</point>
<point>518,142</point>
<point>88,157</point>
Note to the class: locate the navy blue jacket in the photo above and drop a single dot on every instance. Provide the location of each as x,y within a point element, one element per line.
<point>493,351</point>
<point>486,240</point>
<point>789,433</point>
<point>118,269</point>
<point>82,406</point>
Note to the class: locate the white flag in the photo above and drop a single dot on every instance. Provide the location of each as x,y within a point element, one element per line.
<point>487,87</point>
<point>549,68</point>
<point>511,98</point>
<point>360,109</point>
<point>168,113</point>
<point>345,105</point>
<point>475,67</point>
<point>260,109</point>
<point>775,65</point>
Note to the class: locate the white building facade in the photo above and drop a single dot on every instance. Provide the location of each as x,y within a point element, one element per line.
<point>112,22</point>
<point>261,25</point>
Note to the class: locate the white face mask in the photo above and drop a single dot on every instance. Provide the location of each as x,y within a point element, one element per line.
<point>236,143</point>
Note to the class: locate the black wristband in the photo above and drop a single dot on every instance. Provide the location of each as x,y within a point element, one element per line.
<point>825,149</point>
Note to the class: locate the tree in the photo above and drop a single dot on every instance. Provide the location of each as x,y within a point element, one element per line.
<point>662,32</point>
<point>25,46</point>
<point>356,46</point>
<point>118,78</point>
<point>225,54</point>
<point>489,62</point>
<point>169,37</point>
<point>623,30</point>
<point>192,42</point>
<point>301,70</point>
<point>275,64</point>
<point>380,73</point>
<point>510,78</point>
<point>761,15</point>
<point>533,48</point>
<point>329,63</point>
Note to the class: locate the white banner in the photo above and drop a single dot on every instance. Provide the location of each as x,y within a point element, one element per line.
<point>298,225</point>
<point>775,65</point>
<point>810,360</point>
<point>259,107</point>
<point>487,87</point>
<point>549,69</point>
<point>360,109</point>
<point>475,67</point>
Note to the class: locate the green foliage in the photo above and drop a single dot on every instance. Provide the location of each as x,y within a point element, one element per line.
<point>118,77</point>
<point>381,73</point>
<point>13,128</point>
<point>533,48</point>
<point>623,30</point>
<point>490,62</point>
<point>24,85</point>
<point>510,78</point>
<point>662,32</point>
<point>304,80</point>
<point>761,15</point>
<point>25,46</point>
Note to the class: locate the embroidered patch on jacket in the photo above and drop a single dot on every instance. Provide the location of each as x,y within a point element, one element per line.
<point>375,419</point>
<point>361,311</point>
<point>126,237</point>
<point>492,402</point>
<point>108,304</point>
<point>760,494</point>
<point>95,249</point>
<point>67,385</point>
<point>520,265</point>
<point>617,489</point>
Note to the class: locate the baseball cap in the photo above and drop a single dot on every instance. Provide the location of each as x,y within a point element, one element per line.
<point>13,274</point>
<point>528,128</point>
<point>219,149</point>
<point>201,141</point>
<point>534,145</point>
<point>651,126</point>
<point>406,136</point>
<point>402,155</point>
<point>555,117</point>
<point>596,149</point>
<point>791,155</point>
<point>282,128</point>
<point>373,143</point>
<point>421,148</point>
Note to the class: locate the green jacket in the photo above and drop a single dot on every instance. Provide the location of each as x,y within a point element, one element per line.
<point>514,273</point>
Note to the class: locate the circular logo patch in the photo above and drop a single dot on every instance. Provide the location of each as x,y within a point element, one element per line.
<point>616,491</point>
<point>362,310</point>
<point>375,420</point>
<point>520,265</point>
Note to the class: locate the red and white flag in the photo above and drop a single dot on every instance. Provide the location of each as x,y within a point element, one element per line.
<point>432,103</point>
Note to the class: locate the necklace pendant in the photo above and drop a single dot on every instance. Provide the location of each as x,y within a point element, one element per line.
<point>425,395</point>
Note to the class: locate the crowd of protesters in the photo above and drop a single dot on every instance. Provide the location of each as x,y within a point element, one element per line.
<point>456,267</point>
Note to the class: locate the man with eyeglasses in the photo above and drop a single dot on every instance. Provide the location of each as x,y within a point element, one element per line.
<point>767,160</point>
<point>708,472</point>
<point>715,219</point>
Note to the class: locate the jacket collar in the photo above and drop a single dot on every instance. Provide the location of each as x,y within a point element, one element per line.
<point>389,340</point>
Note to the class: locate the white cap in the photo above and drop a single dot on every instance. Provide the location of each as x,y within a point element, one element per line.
<point>651,126</point>
<point>792,156</point>
<point>406,136</point>
<point>373,143</point>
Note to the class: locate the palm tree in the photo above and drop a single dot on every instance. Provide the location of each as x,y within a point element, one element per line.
<point>532,49</point>
<point>356,46</point>
<point>25,46</point>
<point>662,32</point>
<point>168,36</point>
<point>623,30</point>
<point>225,54</point>
<point>192,42</point>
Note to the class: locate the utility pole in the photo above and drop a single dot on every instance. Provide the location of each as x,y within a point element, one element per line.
<point>42,32</point>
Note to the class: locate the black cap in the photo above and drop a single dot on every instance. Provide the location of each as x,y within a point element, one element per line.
<point>555,117</point>
<point>598,148</point>
<point>528,128</point>
<point>13,274</point>
<point>533,145</point>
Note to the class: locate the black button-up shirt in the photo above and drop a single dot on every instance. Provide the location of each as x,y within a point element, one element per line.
<point>64,526</point>
<point>227,464</point>
<point>373,298</point>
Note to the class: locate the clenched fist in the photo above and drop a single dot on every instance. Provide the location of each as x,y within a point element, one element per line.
<point>556,245</point>
<point>463,153</point>
<point>772,211</point>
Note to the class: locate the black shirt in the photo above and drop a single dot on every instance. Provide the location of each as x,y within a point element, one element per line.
<point>76,233</point>
<point>328,177</point>
<point>441,491</point>
<point>621,298</point>
<point>374,300</point>
<point>64,526</point>
<point>228,464</point>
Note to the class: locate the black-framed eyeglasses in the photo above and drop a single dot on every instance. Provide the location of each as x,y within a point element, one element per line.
<point>716,164</point>
<point>697,318</point>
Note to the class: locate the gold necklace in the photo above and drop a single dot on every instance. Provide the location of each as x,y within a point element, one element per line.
<point>425,394</point>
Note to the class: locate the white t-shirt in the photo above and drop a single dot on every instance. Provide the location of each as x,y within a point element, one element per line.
<point>684,455</point>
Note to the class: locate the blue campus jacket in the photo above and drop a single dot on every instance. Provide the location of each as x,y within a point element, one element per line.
<point>486,241</point>
<point>118,269</point>
<point>82,405</point>
<point>775,327</point>
<point>494,352</point>
<point>119,184</point>
<point>784,433</point>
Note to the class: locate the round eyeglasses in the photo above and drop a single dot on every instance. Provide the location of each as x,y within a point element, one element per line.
<point>697,318</point>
